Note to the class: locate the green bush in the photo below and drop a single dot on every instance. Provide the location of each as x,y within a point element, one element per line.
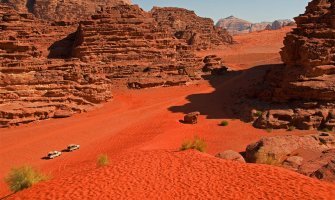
<point>326,130</point>
<point>291,128</point>
<point>102,160</point>
<point>224,123</point>
<point>23,177</point>
<point>258,113</point>
<point>196,144</point>
<point>269,130</point>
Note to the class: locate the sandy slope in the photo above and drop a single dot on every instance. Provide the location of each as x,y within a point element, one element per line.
<point>136,124</point>
<point>180,175</point>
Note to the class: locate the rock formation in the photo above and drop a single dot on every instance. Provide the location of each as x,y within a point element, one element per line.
<point>135,48</point>
<point>68,10</point>
<point>52,69</point>
<point>214,65</point>
<point>237,26</point>
<point>311,155</point>
<point>33,87</point>
<point>307,83</point>
<point>196,31</point>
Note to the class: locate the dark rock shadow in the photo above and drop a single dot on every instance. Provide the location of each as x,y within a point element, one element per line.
<point>233,97</point>
<point>62,48</point>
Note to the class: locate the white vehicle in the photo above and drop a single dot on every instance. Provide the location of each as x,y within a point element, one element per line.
<point>54,154</point>
<point>73,147</point>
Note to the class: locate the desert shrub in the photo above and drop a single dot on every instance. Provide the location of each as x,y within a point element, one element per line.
<point>258,113</point>
<point>269,130</point>
<point>291,128</point>
<point>196,144</point>
<point>326,130</point>
<point>102,160</point>
<point>224,123</point>
<point>23,177</point>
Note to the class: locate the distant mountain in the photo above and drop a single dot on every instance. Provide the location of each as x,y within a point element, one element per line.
<point>237,26</point>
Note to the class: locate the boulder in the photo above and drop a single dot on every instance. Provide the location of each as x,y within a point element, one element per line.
<point>191,118</point>
<point>311,155</point>
<point>231,155</point>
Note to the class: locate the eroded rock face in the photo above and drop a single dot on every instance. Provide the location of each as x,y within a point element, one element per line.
<point>185,25</point>
<point>126,37</point>
<point>33,87</point>
<point>307,82</point>
<point>68,10</point>
<point>311,155</point>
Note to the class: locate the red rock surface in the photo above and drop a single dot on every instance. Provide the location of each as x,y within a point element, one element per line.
<point>198,32</point>
<point>68,10</point>
<point>308,79</point>
<point>135,48</point>
<point>33,87</point>
<point>311,155</point>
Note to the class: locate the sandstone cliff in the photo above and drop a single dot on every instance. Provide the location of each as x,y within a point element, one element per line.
<point>69,10</point>
<point>196,31</point>
<point>308,79</point>
<point>33,87</point>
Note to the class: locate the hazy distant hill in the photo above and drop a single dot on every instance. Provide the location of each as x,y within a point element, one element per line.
<point>236,26</point>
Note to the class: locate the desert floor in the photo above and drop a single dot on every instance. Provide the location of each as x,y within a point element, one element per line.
<point>141,133</point>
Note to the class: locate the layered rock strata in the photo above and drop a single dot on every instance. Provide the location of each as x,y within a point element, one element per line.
<point>135,48</point>
<point>33,87</point>
<point>307,82</point>
<point>185,25</point>
<point>69,10</point>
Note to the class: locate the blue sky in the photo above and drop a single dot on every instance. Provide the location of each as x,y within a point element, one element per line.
<point>251,10</point>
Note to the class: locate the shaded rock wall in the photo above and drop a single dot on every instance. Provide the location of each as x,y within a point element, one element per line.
<point>307,82</point>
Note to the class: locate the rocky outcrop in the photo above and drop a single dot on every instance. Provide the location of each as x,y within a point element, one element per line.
<point>236,26</point>
<point>33,87</point>
<point>136,48</point>
<point>69,10</point>
<point>185,25</point>
<point>191,118</point>
<point>307,83</point>
<point>231,155</point>
<point>214,65</point>
<point>311,155</point>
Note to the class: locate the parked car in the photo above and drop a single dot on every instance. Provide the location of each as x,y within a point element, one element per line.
<point>73,147</point>
<point>54,154</point>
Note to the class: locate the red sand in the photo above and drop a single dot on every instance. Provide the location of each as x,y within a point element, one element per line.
<point>180,175</point>
<point>140,132</point>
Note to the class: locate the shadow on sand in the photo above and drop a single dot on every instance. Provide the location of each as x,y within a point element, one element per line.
<point>232,97</point>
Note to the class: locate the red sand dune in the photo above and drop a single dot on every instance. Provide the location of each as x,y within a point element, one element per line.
<point>138,129</point>
<point>180,175</point>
